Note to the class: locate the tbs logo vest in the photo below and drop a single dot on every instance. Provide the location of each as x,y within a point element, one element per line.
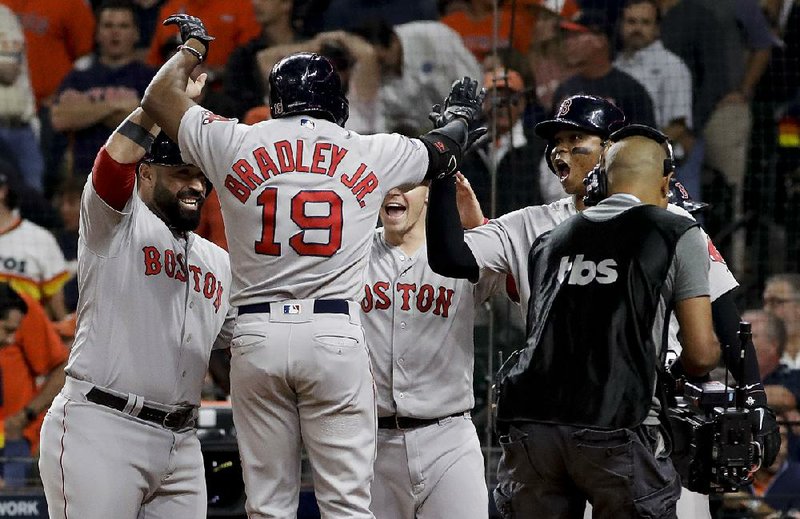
<point>582,272</point>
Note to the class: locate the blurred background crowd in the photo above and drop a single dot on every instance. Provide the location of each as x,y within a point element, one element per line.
<point>720,77</point>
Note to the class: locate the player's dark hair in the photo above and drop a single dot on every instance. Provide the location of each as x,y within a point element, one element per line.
<point>10,300</point>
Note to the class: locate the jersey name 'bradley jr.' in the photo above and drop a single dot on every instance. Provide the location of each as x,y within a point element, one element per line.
<point>323,159</point>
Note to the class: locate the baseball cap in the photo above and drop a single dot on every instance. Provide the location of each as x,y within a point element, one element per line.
<point>504,78</point>
<point>592,114</point>
<point>589,20</point>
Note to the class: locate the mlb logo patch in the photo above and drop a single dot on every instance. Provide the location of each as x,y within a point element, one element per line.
<point>291,309</point>
<point>307,123</point>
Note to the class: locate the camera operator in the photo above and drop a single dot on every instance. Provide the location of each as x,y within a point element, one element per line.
<point>579,407</point>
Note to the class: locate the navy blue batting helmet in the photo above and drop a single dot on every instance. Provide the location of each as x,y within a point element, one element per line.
<point>591,114</point>
<point>307,83</point>
<point>164,151</point>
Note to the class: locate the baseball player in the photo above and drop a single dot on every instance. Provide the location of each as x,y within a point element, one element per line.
<point>575,138</point>
<point>300,196</point>
<point>119,440</point>
<point>419,328</point>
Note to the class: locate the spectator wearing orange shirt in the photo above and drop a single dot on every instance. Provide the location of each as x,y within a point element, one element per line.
<point>29,348</point>
<point>57,32</point>
<point>232,23</point>
<point>476,27</point>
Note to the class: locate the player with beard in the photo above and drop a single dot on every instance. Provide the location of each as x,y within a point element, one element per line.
<point>120,437</point>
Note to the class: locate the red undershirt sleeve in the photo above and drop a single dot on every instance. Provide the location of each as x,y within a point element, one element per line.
<point>113,182</point>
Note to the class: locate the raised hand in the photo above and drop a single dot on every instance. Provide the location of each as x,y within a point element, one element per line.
<point>465,101</point>
<point>190,27</point>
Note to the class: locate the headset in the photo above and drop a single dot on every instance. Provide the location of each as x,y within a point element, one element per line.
<point>596,180</point>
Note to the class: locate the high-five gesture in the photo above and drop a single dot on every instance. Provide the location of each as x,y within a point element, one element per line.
<point>191,27</point>
<point>465,101</point>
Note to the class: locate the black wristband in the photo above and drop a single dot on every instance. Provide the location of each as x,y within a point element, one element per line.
<point>137,134</point>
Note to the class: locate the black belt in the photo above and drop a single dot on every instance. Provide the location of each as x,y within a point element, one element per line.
<point>404,422</point>
<point>173,420</point>
<point>321,306</point>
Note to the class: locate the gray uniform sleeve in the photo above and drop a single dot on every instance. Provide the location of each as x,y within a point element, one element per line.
<point>691,266</point>
<point>492,245</point>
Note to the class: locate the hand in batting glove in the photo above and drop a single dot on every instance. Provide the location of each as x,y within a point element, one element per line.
<point>465,101</point>
<point>766,432</point>
<point>190,27</point>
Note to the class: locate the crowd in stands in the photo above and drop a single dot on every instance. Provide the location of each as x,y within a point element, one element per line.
<point>720,77</point>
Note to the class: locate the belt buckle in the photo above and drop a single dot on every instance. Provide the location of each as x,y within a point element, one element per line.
<point>174,419</point>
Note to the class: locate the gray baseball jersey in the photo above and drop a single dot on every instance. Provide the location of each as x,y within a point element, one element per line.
<point>300,197</point>
<point>419,328</point>
<point>151,306</point>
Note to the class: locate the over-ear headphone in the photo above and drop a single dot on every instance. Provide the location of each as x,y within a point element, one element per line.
<point>596,180</point>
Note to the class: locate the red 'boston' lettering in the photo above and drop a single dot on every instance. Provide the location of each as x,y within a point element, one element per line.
<point>428,299</point>
<point>218,299</point>
<point>366,301</point>
<point>443,301</point>
<point>383,302</point>
<point>209,285</point>
<point>407,289</point>
<point>174,266</point>
<point>196,272</point>
<point>181,273</point>
<point>152,261</point>
<point>425,298</point>
<point>169,263</point>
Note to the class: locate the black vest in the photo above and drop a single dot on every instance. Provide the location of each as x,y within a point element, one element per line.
<point>589,359</point>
